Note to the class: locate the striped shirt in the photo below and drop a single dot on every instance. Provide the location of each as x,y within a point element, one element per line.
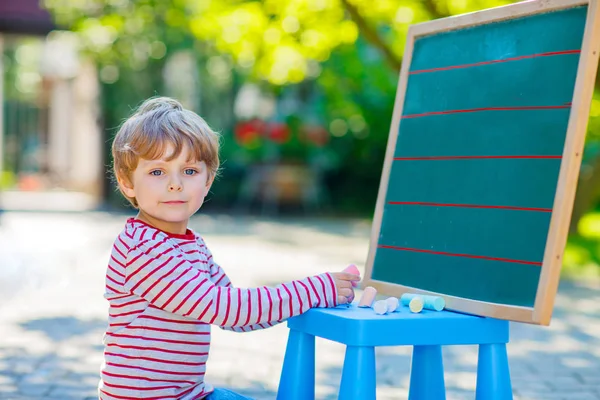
<point>165,291</point>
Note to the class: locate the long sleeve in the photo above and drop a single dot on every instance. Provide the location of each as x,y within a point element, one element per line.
<point>161,274</point>
<point>217,274</point>
<point>220,278</point>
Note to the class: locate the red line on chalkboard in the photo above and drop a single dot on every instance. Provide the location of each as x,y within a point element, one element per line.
<point>470,157</point>
<point>486,109</point>
<point>443,253</point>
<point>420,203</point>
<point>552,53</point>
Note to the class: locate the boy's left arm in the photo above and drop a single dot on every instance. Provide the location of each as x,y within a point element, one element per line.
<point>220,278</point>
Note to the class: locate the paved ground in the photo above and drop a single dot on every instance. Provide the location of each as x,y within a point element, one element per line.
<point>52,314</point>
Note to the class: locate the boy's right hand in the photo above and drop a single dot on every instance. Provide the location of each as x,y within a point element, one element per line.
<point>343,284</point>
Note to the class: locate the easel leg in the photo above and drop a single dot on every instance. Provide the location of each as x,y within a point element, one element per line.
<point>427,374</point>
<point>493,375</point>
<point>297,380</point>
<point>358,375</point>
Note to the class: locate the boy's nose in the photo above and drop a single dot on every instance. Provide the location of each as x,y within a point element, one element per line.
<point>175,187</point>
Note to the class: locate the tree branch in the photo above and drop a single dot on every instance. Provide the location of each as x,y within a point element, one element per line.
<point>372,36</point>
<point>432,9</point>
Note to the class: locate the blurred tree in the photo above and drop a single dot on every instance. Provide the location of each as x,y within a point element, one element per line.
<point>284,41</point>
<point>130,41</point>
<point>588,188</point>
<point>280,41</point>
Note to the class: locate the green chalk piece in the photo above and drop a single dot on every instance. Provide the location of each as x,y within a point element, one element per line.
<point>429,302</point>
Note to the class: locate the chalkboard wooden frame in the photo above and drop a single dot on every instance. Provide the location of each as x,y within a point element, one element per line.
<point>569,169</point>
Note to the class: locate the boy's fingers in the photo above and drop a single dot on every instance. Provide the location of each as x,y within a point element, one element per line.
<point>349,277</point>
<point>344,284</point>
<point>342,300</point>
<point>345,292</point>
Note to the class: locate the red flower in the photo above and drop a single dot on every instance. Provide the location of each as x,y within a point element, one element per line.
<point>315,134</point>
<point>248,131</point>
<point>278,132</point>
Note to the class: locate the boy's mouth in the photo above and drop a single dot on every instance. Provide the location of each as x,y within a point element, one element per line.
<point>174,202</point>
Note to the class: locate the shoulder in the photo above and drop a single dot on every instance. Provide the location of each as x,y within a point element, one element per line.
<point>136,236</point>
<point>200,241</point>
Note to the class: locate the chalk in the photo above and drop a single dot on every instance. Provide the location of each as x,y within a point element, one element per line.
<point>352,270</point>
<point>380,307</point>
<point>392,304</point>
<point>368,297</point>
<point>429,302</point>
<point>416,304</point>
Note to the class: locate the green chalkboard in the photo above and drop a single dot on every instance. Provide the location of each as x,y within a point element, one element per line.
<point>483,157</point>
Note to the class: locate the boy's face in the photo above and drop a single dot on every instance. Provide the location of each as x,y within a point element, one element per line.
<point>168,193</point>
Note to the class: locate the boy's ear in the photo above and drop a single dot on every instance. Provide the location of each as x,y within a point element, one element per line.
<point>210,181</point>
<point>125,185</point>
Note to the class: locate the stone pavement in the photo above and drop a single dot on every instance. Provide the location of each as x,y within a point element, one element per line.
<point>53,315</point>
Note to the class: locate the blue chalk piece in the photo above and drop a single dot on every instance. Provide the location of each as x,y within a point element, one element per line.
<point>429,302</point>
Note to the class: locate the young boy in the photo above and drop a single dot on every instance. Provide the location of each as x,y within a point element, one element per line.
<point>163,286</point>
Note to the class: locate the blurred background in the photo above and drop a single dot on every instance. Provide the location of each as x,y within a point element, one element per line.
<point>302,92</point>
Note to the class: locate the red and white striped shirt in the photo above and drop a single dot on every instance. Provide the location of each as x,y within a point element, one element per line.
<point>165,291</point>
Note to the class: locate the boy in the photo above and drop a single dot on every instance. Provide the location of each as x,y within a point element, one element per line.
<point>163,286</point>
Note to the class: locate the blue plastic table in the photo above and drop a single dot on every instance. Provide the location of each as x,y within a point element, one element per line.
<point>361,330</point>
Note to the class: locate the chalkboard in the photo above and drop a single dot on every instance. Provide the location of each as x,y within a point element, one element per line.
<point>483,158</point>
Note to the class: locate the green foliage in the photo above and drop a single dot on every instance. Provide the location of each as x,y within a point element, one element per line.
<point>582,254</point>
<point>594,122</point>
<point>125,32</point>
<point>279,41</point>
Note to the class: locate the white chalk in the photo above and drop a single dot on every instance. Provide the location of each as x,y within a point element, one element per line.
<point>368,297</point>
<point>392,304</point>
<point>380,307</point>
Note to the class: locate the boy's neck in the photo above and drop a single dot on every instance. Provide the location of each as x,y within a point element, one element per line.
<point>177,228</point>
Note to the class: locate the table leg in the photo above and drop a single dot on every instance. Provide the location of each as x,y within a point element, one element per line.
<point>493,375</point>
<point>427,374</point>
<point>297,380</point>
<point>358,375</point>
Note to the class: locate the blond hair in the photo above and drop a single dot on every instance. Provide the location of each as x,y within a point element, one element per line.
<point>160,121</point>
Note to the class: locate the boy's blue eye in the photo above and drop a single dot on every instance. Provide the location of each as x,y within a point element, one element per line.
<point>156,172</point>
<point>189,171</point>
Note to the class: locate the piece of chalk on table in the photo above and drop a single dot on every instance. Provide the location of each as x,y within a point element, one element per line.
<point>380,307</point>
<point>352,269</point>
<point>368,297</point>
<point>429,302</point>
<point>416,304</point>
<point>392,304</point>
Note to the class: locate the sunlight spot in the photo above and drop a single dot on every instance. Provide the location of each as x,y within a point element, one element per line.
<point>595,110</point>
<point>577,362</point>
<point>405,15</point>
<point>589,226</point>
<point>231,34</point>
<point>290,24</point>
<point>272,36</point>
<point>338,127</point>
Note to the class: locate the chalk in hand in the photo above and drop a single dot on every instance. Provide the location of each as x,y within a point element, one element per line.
<point>380,307</point>
<point>429,302</point>
<point>368,297</point>
<point>352,270</point>
<point>392,304</point>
